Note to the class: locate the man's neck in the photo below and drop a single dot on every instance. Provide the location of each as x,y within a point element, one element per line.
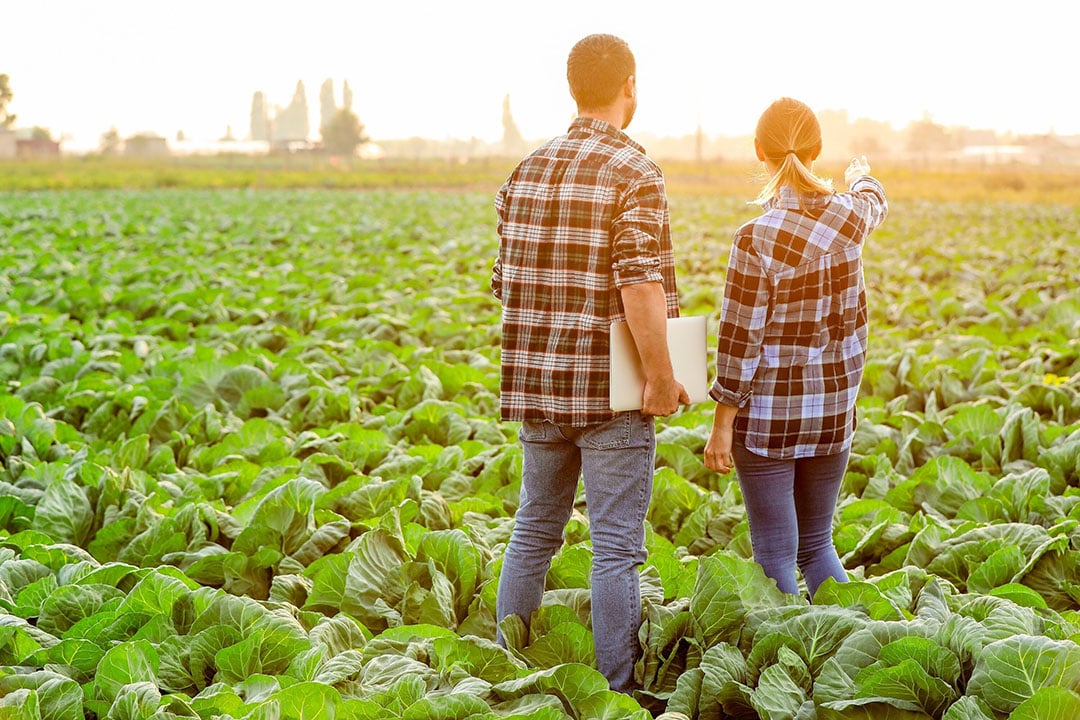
<point>613,116</point>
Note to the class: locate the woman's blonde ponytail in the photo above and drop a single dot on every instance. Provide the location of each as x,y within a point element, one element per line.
<point>788,134</point>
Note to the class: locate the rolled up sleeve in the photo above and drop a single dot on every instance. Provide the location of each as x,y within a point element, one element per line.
<point>496,279</point>
<point>500,212</point>
<point>743,315</point>
<point>875,207</point>
<point>637,230</point>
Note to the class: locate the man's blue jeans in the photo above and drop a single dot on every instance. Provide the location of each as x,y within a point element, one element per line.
<point>616,461</point>
<point>790,505</point>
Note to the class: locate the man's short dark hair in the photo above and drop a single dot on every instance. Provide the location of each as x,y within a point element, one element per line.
<point>597,68</point>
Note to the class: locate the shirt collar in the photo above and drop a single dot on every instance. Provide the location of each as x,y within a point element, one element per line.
<point>592,125</point>
<point>788,199</point>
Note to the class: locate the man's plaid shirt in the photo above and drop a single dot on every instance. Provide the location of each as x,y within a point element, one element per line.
<point>581,217</point>
<point>793,324</point>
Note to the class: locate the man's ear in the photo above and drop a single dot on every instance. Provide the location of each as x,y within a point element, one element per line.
<point>630,86</point>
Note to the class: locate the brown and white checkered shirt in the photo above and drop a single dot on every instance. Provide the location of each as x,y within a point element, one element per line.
<point>581,217</point>
<point>793,324</point>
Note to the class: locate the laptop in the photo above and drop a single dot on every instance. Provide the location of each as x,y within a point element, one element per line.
<point>686,345</point>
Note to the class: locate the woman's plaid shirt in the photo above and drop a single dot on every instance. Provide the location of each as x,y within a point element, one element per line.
<point>793,324</point>
<point>581,217</point>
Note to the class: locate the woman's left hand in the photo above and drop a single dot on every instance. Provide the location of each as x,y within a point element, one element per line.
<point>718,450</point>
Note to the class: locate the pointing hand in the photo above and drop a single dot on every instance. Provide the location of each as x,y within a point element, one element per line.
<point>856,169</point>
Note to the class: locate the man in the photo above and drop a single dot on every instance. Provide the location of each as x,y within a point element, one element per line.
<point>585,241</point>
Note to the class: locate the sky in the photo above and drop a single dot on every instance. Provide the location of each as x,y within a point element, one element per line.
<point>440,69</point>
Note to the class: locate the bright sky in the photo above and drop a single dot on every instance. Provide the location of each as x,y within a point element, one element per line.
<point>440,69</point>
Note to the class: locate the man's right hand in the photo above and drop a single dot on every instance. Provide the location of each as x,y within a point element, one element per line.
<point>664,398</point>
<point>646,314</point>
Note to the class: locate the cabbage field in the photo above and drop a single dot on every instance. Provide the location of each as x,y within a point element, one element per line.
<point>252,468</point>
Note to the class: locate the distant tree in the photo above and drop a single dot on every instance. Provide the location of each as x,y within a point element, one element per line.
<point>327,105</point>
<point>293,122</point>
<point>110,142</point>
<point>867,145</point>
<point>346,96</point>
<point>6,118</point>
<point>41,133</point>
<point>344,133</point>
<point>873,138</point>
<point>260,118</point>
<point>299,102</point>
<point>926,137</point>
<point>835,133</point>
<point>512,141</point>
<point>228,136</point>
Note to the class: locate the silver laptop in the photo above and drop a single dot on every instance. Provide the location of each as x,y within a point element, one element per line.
<point>686,345</point>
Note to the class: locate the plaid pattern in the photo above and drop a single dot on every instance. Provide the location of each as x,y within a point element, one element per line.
<point>793,324</point>
<point>581,217</point>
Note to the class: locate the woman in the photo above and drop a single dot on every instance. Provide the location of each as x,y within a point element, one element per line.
<point>792,346</point>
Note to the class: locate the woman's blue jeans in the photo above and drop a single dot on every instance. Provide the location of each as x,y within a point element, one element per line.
<point>616,461</point>
<point>790,506</point>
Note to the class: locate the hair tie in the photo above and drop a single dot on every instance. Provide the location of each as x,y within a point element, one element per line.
<point>789,151</point>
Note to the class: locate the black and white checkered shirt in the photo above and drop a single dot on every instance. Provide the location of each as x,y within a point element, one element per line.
<point>581,217</point>
<point>793,324</point>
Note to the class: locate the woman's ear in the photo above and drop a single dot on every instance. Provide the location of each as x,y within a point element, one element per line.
<point>759,151</point>
<point>815,152</point>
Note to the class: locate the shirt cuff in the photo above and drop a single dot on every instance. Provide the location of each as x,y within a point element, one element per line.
<point>722,395</point>
<point>634,272</point>
<point>867,182</point>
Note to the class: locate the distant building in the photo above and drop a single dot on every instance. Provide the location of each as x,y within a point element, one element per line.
<point>1044,150</point>
<point>188,147</point>
<point>296,147</point>
<point>7,144</point>
<point>33,143</point>
<point>1052,149</point>
<point>146,145</point>
<point>995,154</point>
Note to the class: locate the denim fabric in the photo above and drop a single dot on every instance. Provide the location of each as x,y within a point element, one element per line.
<point>790,505</point>
<point>615,459</point>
